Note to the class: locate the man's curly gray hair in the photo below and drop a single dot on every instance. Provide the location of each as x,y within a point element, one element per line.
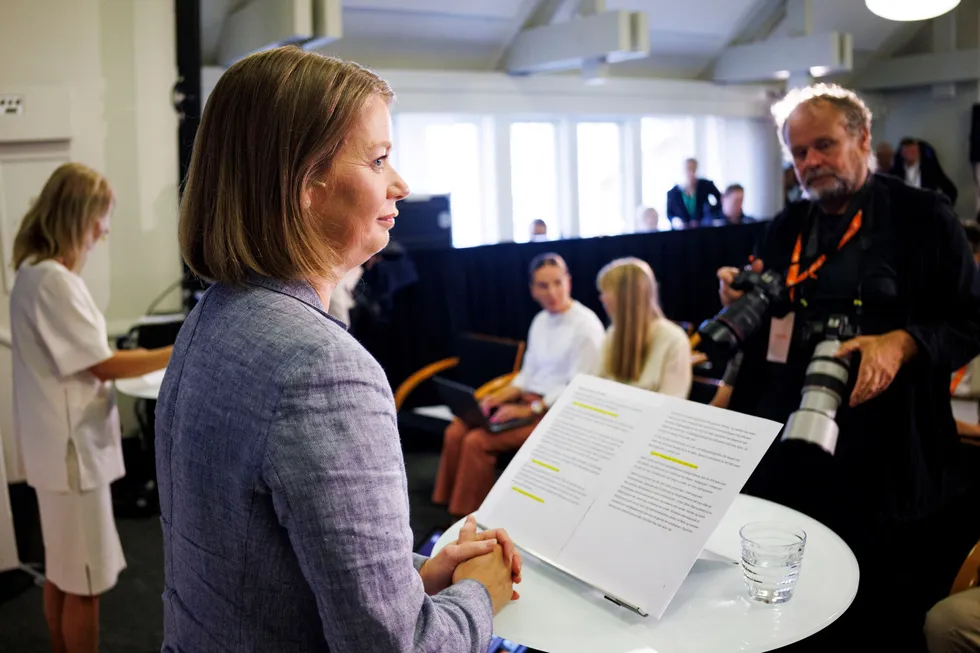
<point>857,115</point>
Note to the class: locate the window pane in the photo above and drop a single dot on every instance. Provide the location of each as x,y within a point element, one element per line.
<point>664,145</point>
<point>534,178</point>
<point>600,179</point>
<point>437,154</point>
<point>454,166</point>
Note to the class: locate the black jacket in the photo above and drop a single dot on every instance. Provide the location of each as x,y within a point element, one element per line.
<point>933,177</point>
<point>898,456</point>
<point>677,209</point>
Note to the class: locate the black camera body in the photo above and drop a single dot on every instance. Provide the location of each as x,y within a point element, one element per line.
<point>765,295</point>
<point>825,385</point>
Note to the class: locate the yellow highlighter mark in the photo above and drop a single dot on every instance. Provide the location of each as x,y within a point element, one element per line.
<point>594,409</point>
<point>673,460</point>
<point>527,494</point>
<point>545,465</point>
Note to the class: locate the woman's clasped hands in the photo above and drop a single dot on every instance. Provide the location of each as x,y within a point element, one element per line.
<point>489,557</point>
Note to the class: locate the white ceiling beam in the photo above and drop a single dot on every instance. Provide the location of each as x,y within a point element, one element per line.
<point>532,13</point>
<point>591,7</point>
<point>818,54</point>
<point>755,25</point>
<point>799,17</point>
<point>611,36</point>
<point>263,24</point>
<point>921,70</point>
<point>760,22</point>
<point>894,42</point>
<point>328,23</point>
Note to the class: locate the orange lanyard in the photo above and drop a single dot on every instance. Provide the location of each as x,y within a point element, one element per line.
<point>957,378</point>
<point>793,276</point>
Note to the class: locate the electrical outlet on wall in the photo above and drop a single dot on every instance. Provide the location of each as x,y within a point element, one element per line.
<point>11,105</point>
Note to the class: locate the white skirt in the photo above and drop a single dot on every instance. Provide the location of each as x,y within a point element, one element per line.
<point>82,552</point>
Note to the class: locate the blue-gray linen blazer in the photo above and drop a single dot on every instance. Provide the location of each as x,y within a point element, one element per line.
<point>283,494</point>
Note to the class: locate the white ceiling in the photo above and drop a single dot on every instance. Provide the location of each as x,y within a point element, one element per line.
<point>686,36</point>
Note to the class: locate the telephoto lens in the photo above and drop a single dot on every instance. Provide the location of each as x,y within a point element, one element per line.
<point>824,388</point>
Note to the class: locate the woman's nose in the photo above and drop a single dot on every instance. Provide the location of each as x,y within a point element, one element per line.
<point>398,189</point>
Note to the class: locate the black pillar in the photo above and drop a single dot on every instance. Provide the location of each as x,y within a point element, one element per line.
<point>187,102</point>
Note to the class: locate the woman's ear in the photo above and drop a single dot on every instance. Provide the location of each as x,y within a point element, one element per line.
<point>308,193</point>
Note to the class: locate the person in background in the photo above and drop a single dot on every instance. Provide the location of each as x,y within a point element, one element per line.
<point>731,206</point>
<point>648,219</point>
<point>723,395</point>
<point>342,300</point>
<point>792,191</point>
<point>966,380</point>
<point>539,230</point>
<point>687,206</point>
<point>565,339</point>
<point>895,260</point>
<point>918,164</point>
<point>885,155</point>
<point>283,495</point>
<point>642,348</point>
<point>64,408</point>
<point>953,624</point>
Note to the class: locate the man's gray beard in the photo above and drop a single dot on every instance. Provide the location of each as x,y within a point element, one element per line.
<point>840,191</point>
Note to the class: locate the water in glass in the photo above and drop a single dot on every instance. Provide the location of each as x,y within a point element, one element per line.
<point>771,557</point>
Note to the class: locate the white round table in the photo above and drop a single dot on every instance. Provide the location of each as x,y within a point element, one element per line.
<point>142,387</point>
<point>711,611</point>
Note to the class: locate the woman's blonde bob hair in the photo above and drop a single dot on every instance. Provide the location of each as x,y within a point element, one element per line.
<point>272,127</point>
<point>73,199</point>
<point>632,283</point>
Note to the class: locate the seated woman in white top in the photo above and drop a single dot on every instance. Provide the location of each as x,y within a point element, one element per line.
<point>642,348</point>
<point>65,417</point>
<point>565,339</point>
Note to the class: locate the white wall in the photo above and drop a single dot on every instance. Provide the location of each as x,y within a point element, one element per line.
<point>943,122</point>
<point>139,64</point>
<point>114,60</point>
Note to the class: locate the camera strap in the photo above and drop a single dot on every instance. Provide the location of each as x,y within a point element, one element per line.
<point>793,275</point>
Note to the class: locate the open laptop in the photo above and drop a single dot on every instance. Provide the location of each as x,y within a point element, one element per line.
<point>464,405</point>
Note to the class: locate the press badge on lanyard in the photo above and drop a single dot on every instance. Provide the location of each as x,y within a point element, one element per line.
<point>780,338</point>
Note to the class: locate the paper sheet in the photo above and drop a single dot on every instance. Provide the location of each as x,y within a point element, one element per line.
<point>622,487</point>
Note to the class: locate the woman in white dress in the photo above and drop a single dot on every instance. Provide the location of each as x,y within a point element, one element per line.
<point>65,416</point>
<point>642,348</point>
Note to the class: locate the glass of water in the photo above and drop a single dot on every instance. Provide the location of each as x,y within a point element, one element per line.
<point>771,557</point>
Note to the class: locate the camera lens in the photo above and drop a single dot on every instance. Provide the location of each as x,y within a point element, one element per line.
<point>723,335</point>
<point>824,387</point>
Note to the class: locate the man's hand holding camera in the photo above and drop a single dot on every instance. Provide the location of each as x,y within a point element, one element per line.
<point>881,358</point>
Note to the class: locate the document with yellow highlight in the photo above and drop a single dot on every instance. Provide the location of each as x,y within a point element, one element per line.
<point>621,487</point>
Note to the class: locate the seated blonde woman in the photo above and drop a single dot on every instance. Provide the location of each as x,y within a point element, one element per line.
<point>642,348</point>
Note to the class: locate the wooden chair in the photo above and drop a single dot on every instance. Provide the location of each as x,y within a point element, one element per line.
<point>969,575</point>
<point>480,356</point>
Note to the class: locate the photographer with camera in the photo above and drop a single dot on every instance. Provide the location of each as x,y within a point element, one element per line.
<point>885,269</point>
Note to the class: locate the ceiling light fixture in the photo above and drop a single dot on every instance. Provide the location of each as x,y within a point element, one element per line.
<point>907,10</point>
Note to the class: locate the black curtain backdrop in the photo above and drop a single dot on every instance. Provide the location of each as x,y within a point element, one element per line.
<point>485,289</point>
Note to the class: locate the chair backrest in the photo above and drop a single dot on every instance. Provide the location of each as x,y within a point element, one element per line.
<point>969,575</point>
<point>483,357</point>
